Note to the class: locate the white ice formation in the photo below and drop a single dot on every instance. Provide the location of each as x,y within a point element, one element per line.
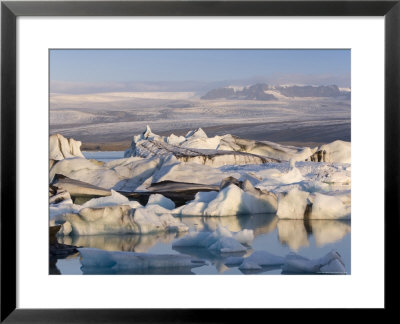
<point>197,147</point>
<point>63,148</point>
<point>231,200</point>
<point>115,214</point>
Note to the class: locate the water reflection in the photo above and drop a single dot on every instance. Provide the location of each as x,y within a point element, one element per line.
<point>296,233</point>
<point>277,236</point>
<point>262,270</point>
<point>259,223</point>
<point>127,243</point>
<point>215,258</point>
<point>292,232</point>
<point>329,231</point>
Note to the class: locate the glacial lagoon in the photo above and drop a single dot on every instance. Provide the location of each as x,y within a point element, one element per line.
<point>311,238</point>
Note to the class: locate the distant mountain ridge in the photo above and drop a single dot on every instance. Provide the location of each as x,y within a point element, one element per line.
<point>262,91</point>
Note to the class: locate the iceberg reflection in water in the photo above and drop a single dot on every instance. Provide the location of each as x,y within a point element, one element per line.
<point>303,243</point>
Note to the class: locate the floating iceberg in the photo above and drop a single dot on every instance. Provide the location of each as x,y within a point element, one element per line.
<point>331,263</point>
<point>62,148</point>
<point>230,200</point>
<point>297,204</point>
<point>115,214</point>
<point>99,261</point>
<point>197,147</point>
<point>337,151</point>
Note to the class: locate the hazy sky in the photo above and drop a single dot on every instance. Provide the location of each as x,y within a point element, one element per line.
<point>110,66</point>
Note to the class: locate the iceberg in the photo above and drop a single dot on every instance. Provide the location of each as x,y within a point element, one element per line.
<point>215,158</point>
<point>115,214</point>
<point>298,204</point>
<point>198,147</point>
<point>331,263</point>
<point>160,200</point>
<point>230,200</point>
<point>337,151</point>
<point>292,204</point>
<point>86,171</point>
<point>77,188</point>
<point>62,148</point>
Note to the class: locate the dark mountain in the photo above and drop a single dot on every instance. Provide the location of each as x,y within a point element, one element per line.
<point>310,91</point>
<point>259,92</point>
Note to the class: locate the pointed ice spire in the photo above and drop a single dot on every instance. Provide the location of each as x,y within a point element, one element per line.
<point>196,133</point>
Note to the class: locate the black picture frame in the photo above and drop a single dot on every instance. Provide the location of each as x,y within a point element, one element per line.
<point>10,10</point>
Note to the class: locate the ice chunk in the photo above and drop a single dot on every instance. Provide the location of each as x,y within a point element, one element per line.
<point>120,219</point>
<point>154,218</point>
<point>212,157</point>
<point>249,265</point>
<point>62,148</point>
<point>293,204</point>
<point>234,201</point>
<point>113,200</point>
<point>96,261</point>
<point>337,151</point>
<point>86,171</point>
<point>189,173</point>
<point>61,196</point>
<point>331,263</point>
<point>57,210</point>
<point>231,200</point>
<point>328,207</point>
<point>78,188</point>
<point>162,201</point>
<point>134,171</point>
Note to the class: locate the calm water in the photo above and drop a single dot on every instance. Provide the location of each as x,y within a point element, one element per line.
<point>312,239</point>
<point>105,156</point>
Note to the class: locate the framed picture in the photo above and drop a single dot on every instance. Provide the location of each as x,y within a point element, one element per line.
<point>229,139</point>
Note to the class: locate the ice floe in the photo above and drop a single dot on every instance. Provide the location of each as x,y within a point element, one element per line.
<point>331,263</point>
<point>99,261</point>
